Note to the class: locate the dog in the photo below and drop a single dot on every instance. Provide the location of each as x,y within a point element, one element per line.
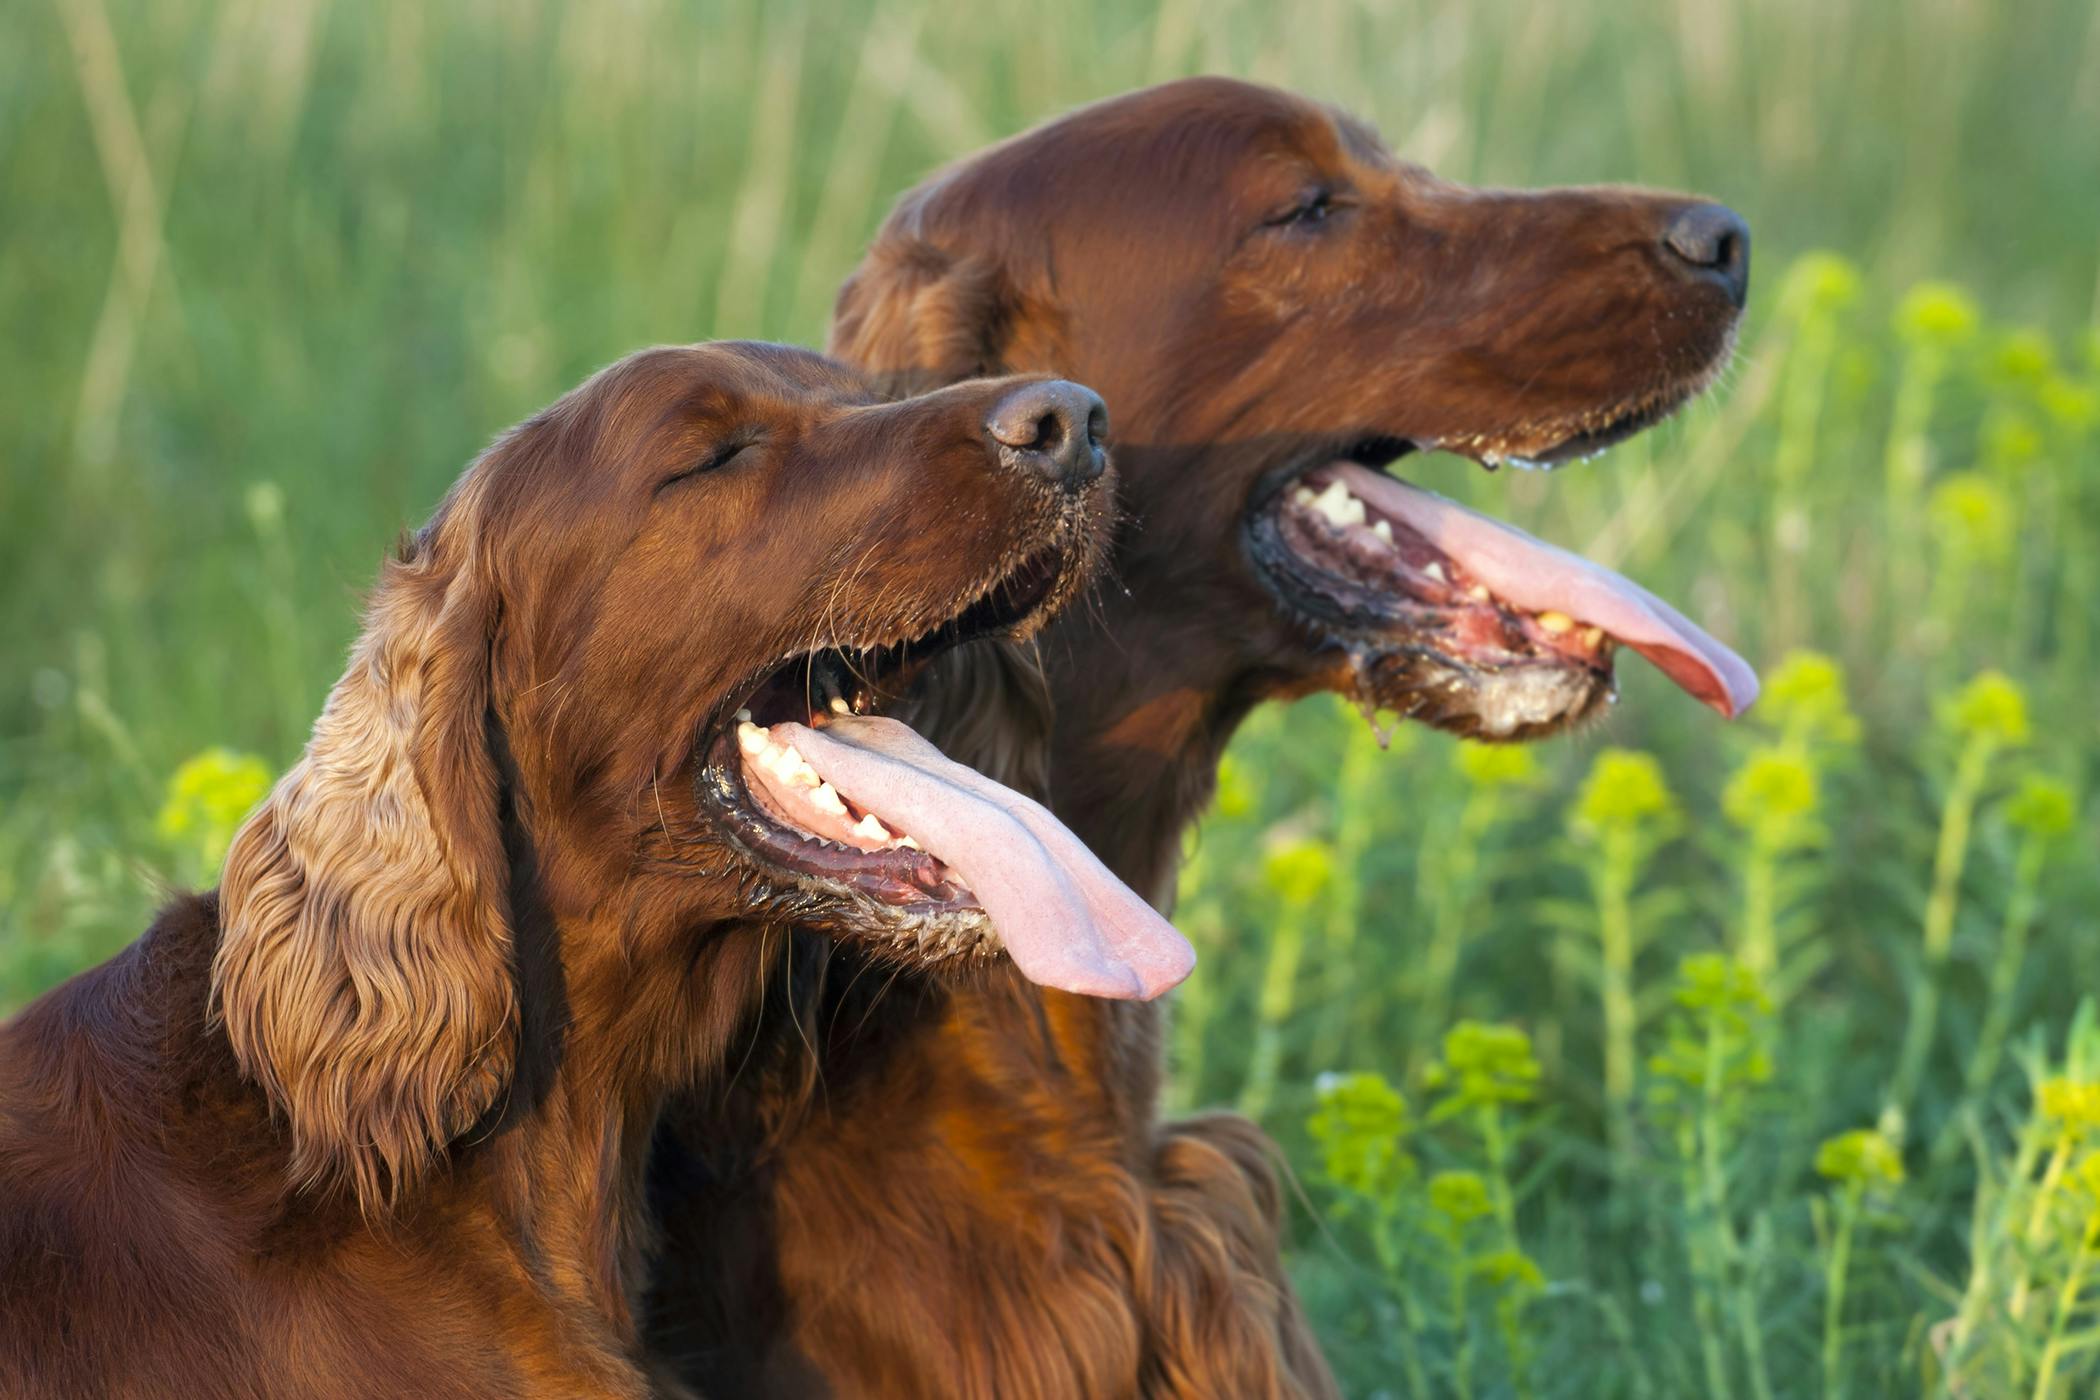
<point>965,1190</point>
<point>371,1119</point>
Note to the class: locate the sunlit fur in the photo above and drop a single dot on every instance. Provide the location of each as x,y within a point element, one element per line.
<point>363,971</point>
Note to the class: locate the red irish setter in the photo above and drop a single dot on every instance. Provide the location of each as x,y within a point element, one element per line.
<point>371,1120</point>
<point>965,1191</point>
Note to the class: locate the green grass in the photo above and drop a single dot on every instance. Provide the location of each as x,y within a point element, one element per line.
<point>272,273</point>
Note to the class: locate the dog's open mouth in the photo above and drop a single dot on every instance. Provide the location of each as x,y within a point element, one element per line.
<point>1461,620</point>
<point>848,806</point>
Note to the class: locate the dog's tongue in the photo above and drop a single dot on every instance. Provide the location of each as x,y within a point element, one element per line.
<point>1066,921</point>
<point>1530,574</point>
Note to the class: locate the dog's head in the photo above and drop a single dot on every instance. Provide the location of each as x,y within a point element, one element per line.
<point>628,670</point>
<point>1278,309</point>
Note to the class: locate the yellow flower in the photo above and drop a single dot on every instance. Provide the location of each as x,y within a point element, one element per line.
<point>2024,356</point>
<point>1509,1268</point>
<point>2073,1106</point>
<point>1820,282</point>
<point>1990,706</point>
<point>1804,696</point>
<point>1460,1197</point>
<point>1938,314</point>
<point>1775,788</point>
<point>207,798</point>
<point>1485,1064</point>
<point>1359,1126</point>
<point>2073,405</point>
<point>1862,1157</point>
<point>1970,512</point>
<point>1497,765</point>
<point>2042,807</point>
<point>1625,791</point>
<point>1299,871</point>
<point>2010,440</point>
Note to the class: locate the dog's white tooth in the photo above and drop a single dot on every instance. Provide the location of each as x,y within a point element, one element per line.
<point>1478,593</point>
<point>1555,622</point>
<point>1353,512</point>
<point>1334,503</point>
<point>1383,529</point>
<point>825,798</point>
<point>1591,636</point>
<point>910,843</point>
<point>840,707</point>
<point>743,716</point>
<point>869,828</point>
<point>790,767</point>
<point>750,738</point>
<point>1434,570</point>
<point>1303,496</point>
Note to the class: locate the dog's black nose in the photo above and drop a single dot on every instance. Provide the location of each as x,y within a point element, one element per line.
<point>1713,242</point>
<point>1053,429</point>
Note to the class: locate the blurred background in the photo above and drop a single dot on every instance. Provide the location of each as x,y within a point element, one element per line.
<point>1669,1059</point>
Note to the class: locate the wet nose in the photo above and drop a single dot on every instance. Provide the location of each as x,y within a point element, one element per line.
<point>1053,430</point>
<point>1713,242</point>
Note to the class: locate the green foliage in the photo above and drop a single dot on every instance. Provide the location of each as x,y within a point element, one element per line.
<point>373,236</point>
<point>207,798</point>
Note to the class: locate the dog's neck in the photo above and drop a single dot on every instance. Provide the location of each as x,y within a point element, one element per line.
<point>619,1007</point>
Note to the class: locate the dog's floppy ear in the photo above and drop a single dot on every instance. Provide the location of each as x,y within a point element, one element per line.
<point>919,317</point>
<point>363,972</point>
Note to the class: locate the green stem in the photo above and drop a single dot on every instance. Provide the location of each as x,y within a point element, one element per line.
<point>1462,1375</point>
<point>2020,908</point>
<point>2038,1218</point>
<point>1986,1249</point>
<point>1728,1253</point>
<point>1279,992</point>
<point>2066,1300</point>
<point>1457,865</point>
<point>1800,413</point>
<point>1904,467</point>
<point>1940,906</point>
<point>1699,1249</point>
<point>1834,1275</point>
<point>1195,1003</point>
<point>1759,950</point>
<point>1356,808</point>
<point>1393,1255</point>
<point>1614,890</point>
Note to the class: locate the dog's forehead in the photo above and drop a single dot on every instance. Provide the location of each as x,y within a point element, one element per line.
<point>754,375</point>
<point>1186,143</point>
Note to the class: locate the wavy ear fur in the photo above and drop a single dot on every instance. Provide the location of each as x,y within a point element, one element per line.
<point>919,317</point>
<point>363,972</point>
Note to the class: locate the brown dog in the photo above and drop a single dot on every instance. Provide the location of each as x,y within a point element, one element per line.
<point>979,1201</point>
<point>371,1119</point>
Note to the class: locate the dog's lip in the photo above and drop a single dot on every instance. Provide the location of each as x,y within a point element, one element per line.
<point>902,879</point>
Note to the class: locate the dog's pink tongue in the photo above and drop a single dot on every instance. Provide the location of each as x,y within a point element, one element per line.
<point>1538,577</point>
<point>1067,922</point>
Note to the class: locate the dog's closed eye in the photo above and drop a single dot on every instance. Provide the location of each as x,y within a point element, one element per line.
<point>721,456</point>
